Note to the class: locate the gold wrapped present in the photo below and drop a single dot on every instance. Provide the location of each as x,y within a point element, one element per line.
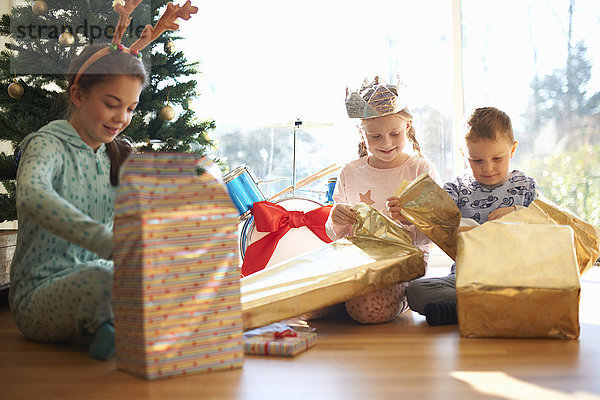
<point>427,206</point>
<point>518,281</point>
<point>516,277</point>
<point>379,255</point>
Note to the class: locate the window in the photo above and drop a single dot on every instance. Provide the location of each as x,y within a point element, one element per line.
<point>535,60</point>
<point>266,63</point>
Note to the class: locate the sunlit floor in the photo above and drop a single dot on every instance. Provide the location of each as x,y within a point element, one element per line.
<point>404,359</point>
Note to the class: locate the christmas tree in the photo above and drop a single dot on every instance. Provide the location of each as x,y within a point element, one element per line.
<point>45,36</point>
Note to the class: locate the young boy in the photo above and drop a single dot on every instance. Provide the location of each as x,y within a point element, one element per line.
<point>492,191</point>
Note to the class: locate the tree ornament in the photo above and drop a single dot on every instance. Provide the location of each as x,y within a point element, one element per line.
<point>39,7</point>
<point>66,39</point>
<point>170,47</point>
<point>167,113</point>
<point>15,90</point>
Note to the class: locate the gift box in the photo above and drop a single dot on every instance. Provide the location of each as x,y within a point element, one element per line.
<point>176,292</point>
<point>517,281</point>
<point>278,340</point>
<point>515,277</point>
<point>379,255</point>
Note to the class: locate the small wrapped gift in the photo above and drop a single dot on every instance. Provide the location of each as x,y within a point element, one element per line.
<point>278,340</point>
<point>176,292</point>
<point>379,255</point>
<point>517,281</point>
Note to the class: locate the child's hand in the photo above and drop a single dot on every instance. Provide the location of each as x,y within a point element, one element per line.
<point>501,212</point>
<point>393,207</point>
<point>343,214</point>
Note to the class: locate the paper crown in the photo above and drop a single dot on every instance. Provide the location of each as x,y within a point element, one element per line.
<point>150,33</point>
<point>376,99</point>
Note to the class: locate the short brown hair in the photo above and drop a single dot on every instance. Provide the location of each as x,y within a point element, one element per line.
<point>489,123</point>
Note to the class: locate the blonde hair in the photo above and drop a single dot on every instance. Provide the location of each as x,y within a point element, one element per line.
<point>489,123</point>
<point>410,134</point>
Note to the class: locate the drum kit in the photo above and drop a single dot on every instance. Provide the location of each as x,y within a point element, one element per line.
<point>244,192</point>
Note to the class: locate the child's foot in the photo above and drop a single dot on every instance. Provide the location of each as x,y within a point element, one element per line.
<point>102,346</point>
<point>441,314</point>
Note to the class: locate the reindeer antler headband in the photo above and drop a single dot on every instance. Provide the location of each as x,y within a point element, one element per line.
<point>124,8</point>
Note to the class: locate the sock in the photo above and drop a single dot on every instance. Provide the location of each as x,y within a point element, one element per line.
<point>441,313</point>
<point>102,346</point>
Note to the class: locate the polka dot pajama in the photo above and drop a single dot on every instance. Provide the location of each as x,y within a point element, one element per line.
<point>61,280</point>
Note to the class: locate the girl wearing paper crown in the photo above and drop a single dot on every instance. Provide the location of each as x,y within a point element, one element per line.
<point>385,128</point>
<point>62,272</point>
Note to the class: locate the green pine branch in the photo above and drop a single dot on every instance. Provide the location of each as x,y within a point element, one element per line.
<point>44,98</point>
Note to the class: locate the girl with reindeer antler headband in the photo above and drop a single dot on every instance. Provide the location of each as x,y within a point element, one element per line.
<point>61,274</point>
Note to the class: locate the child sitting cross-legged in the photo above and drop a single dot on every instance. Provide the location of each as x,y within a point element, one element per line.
<point>490,192</point>
<point>62,272</point>
<point>386,129</point>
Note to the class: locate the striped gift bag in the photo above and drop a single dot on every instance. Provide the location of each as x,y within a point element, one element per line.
<point>176,285</point>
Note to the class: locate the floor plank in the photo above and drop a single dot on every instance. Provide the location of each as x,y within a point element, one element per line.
<point>402,359</point>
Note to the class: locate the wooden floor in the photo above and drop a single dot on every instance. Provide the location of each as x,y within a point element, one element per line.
<point>404,359</point>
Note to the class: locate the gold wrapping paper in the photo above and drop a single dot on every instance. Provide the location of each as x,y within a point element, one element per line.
<point>516,277</point>
<point>380,254</point>
<point>517,281</point>
<point>427,206</point>
<point>587,237</point>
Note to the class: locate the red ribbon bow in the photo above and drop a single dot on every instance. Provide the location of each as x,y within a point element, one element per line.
<point>270,217</point>
<point>284,334</point>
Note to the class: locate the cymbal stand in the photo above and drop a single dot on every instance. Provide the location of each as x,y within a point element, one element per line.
<point>297,124</point>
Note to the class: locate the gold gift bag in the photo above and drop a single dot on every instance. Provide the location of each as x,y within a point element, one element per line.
<point>517,281</point>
